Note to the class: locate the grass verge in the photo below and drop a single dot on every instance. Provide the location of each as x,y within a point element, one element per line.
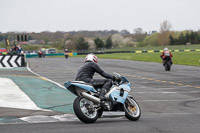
<point>181,58</point>
<point>179,47</point>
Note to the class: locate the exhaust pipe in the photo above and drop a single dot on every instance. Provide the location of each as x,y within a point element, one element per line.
<point>90,97</point>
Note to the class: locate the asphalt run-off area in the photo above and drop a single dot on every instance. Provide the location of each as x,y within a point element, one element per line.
<point>169,100</point>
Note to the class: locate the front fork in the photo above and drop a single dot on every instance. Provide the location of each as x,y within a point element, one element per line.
<point>130,104</point>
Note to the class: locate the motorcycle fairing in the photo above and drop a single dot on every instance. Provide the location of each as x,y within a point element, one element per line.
<point>120,93</point>
<point>76,87</point>
<point>126,87</point>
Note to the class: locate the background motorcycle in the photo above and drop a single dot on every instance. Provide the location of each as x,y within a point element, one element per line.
<point>88,107</point>
<point>41,54</point>
<point>167,63</point>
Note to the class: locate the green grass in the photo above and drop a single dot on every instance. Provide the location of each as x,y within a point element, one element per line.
<point>187,58</point>
<point>181,58</point>
<point>180,47</point>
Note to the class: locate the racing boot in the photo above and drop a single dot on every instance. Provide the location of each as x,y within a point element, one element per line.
<point>102,95</point>
<point>104,100</point>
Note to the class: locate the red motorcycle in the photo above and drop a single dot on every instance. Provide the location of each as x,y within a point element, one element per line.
<point>41,54</point>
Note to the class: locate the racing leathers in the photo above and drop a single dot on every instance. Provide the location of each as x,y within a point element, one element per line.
<point>86,73</point>
<point>166,55</point>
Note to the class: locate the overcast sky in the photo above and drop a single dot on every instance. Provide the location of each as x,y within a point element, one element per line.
<point>75,15</point>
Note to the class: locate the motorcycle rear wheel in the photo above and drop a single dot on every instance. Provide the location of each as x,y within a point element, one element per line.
<point>167,66</point>
<point>84,110</point>
<point>132,109</point>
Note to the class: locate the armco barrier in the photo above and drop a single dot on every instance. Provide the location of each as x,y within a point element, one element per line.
<point>58,54</point>
<point>140,51</point>
<point>12,61</point>
<point>36,55</point>
<point>112,52</point>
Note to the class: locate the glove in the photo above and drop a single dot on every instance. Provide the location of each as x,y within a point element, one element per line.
<point>117,79</point>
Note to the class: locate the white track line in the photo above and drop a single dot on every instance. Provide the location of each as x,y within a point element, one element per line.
<point>44,77</point>
<point>172,100</point>
<point>164,92</point>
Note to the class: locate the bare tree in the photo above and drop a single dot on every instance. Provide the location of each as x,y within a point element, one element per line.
<point>138,31</point>
<point>138,35</point>
<point>165,26</point>
<point>70,45</point>
<point>163,37</point>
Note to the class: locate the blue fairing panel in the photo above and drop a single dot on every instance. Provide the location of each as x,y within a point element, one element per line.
<point>86,87</point>
<point>67,84</point>
<point>74,84</point>
<point>126,87</point>
<point>115,95</point>
<point>70,87</point>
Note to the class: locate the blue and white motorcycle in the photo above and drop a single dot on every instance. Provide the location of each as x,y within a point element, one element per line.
<point>88,107</point>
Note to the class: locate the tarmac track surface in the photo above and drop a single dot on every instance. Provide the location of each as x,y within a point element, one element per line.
<point>170,101</point>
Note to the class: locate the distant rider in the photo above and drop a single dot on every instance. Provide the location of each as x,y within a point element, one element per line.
<point>43,50</point>
<point>166,54</point>
<point>66,53</point>
<point>87,71</point>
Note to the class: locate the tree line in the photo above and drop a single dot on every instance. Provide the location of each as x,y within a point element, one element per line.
<point>98,40</point>
<point>82,44</point>
<point>188,38</point>
<point>168,37</point>
<point>171,38</point>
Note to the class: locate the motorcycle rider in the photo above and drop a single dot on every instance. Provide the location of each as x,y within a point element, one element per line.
<point>166,54</point>
<point>43,50</point>
<point>86,73</point>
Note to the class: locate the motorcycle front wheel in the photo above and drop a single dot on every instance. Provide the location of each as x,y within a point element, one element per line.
<point>132,109</point>
<point>84,110</point>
